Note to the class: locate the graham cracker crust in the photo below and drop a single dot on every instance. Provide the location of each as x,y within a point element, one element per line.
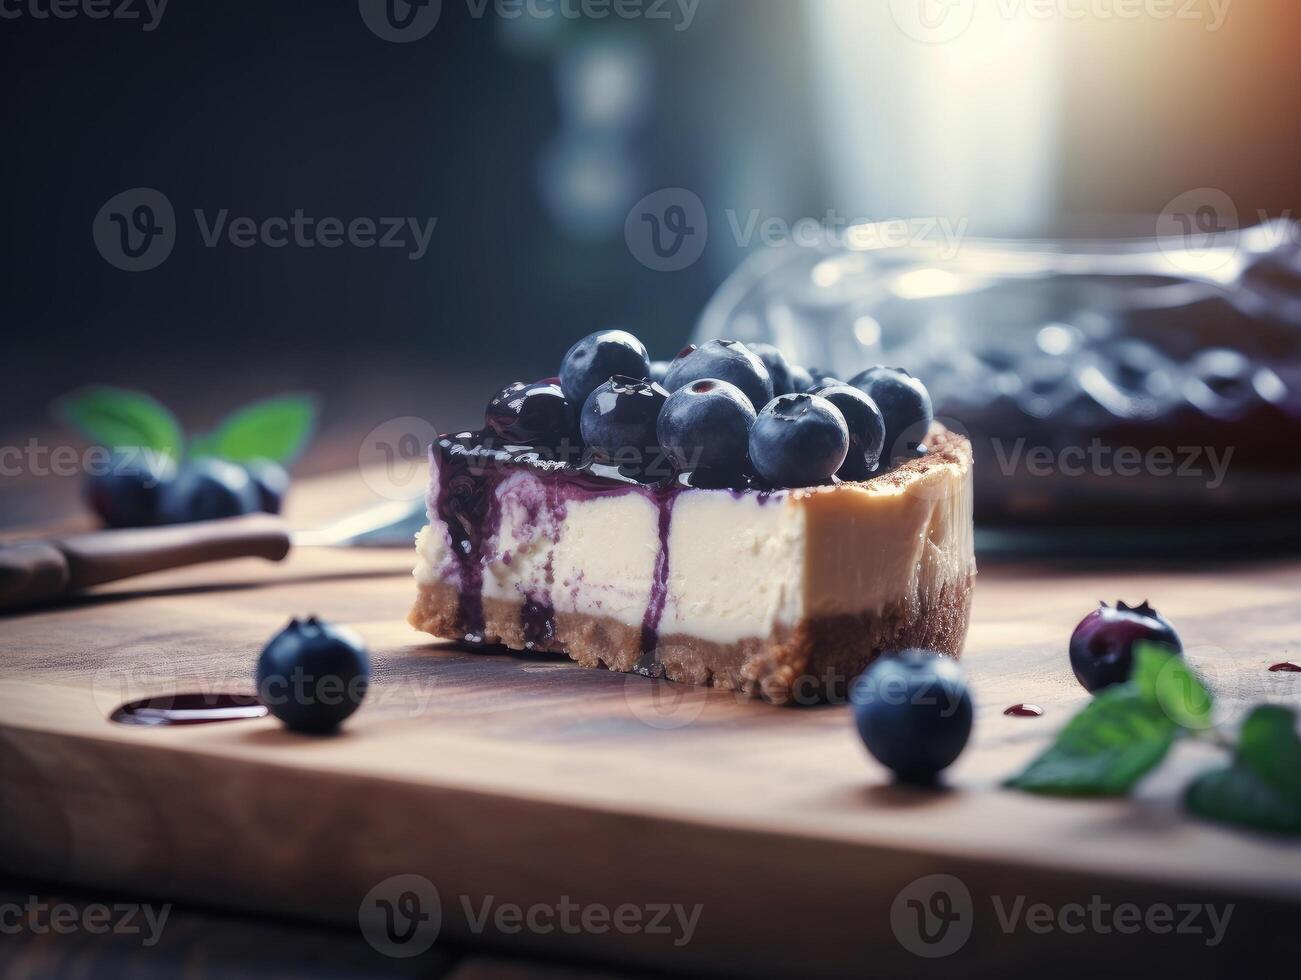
<point>811,663</point>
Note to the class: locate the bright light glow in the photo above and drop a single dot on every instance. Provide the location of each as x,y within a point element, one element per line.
<point>927,284</point>
<point>867,331</point>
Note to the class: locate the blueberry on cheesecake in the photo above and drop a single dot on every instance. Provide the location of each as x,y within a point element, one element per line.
<point>707,520</point>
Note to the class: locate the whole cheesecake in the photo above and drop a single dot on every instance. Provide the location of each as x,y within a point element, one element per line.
<point>783,593</point>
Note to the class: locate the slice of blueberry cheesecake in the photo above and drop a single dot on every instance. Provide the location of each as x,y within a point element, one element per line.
<point>733,522</point>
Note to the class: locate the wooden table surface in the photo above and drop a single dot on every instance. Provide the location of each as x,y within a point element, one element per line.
<point>526,779</point>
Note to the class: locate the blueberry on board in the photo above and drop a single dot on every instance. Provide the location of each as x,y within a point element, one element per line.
<point>618,422</point>
<point>798,440</point>
<point>726,360</point>
<point>272,483</point>
<point>705,426</point>
<point>801,379</point>
<point>127,490</point>
<point>597,358</point>
<point>866,429</point>
<point>906,405</point>
<point>913,711</point>
<point>779,369</point>
<point>658,371</point>
<point>536,414</point>
<point>207,489</point>
<point>1102,646</point>
<point>313,675</point>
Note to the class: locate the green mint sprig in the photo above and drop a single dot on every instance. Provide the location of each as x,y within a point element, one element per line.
<point>1128,729</point>
<point>274,428</point>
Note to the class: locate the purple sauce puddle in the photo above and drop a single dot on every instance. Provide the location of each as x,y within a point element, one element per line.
<point>1023,711</point>
<point>189,709</point>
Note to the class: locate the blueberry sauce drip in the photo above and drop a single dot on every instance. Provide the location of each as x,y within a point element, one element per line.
<point>470,470</point>
<point>1287,667</point>
<point>538,623</point>
<point>472,465</point>
<point>464,503</point>
<point>649,663</point>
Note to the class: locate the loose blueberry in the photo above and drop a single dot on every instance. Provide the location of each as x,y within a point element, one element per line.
<point>906,405</point>
<point>597,358</point>
<point>271,481</point>
<point>535,414</point>
<point>705,426</point>
<point>128,491</point>
<point>913,711</point>
<point>313,675</point>
<point>207,489</point>
<point>658,371</point>
<point>801,379</point>
<point>798,440</point>
<point>618,423</point>
<point>779,369</point>
<point>726,360</point>
<point>1102,646</point>
<point>866,429</point>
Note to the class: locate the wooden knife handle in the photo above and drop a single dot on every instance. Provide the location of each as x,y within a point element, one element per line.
<point>34,570</point>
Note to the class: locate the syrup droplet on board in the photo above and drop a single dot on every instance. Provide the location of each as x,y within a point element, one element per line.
<point>1023,711</point>
<point>189,709</point>
<point>1286,666</point>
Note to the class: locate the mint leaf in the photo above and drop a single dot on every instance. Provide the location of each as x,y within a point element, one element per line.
<point>1268,743</point>
<point>275,428</point>
<point>1105,749</point>
<point>1262,788</point>
<point>1164,678</point>
<point>118,417</point>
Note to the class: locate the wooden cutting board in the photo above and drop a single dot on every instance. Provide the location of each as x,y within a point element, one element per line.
<point>525,779</point>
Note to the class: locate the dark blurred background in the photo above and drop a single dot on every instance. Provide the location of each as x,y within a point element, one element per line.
<point>529,133</point>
